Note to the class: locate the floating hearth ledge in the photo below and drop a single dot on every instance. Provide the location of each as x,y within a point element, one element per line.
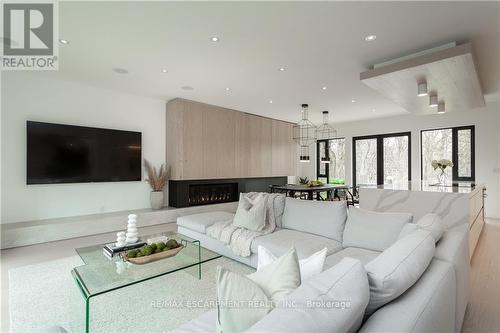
<point>41,231</point>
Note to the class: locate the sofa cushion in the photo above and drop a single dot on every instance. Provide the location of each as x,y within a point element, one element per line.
<point>433,224</point>
<point>408,229</point>
<point>207,322</point>
<point>373,230</point>
<point>200,222</point>
<point>428,306</point>
<point>306,244</point>
<point>324,218</point>
<point>396,269</point>
<point>333,301</point>
<point>363,255</point>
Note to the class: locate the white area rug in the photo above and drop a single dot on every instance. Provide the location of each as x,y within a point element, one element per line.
<point>45,295</point>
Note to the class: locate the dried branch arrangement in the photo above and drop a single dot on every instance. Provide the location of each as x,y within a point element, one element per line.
<point>157,180</point>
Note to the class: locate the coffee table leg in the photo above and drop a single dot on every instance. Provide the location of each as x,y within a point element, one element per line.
<point>199,261</point>
<point>87,315</point>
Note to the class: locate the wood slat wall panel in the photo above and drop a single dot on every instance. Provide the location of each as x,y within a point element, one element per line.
<point>206,141</point>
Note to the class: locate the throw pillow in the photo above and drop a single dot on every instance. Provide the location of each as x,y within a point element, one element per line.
<point>255,293</point>
<point>333,301</point>
<point>396,269</point>
<point>373,230</point>
<point>309,266</point>
<point>251,213</point>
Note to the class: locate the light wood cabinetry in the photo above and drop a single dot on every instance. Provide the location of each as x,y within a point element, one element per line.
<point>476,217</point>
<point>206,141</point>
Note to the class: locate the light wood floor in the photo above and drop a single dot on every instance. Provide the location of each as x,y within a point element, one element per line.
<point>483,311</point>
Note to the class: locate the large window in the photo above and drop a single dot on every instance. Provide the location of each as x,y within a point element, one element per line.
<point>455,144</point>
<point>331,160</point>
<point>382,159</point>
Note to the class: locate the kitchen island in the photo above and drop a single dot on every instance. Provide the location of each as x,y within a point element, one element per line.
<point>457,203</point>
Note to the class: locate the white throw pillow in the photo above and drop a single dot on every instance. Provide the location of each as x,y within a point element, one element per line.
<point>333,301</point>
<point>233,287</point>
<point>251,213</point>
<point>254,292</point>
<point>309,266</point>
<point>433,224</point>
<point>396,269</point>
<point>373,230</point>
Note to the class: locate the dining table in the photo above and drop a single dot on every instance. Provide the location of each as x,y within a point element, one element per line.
<point>312,191</point>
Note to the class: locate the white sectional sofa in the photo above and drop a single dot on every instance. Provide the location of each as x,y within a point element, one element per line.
<point>435,303</point>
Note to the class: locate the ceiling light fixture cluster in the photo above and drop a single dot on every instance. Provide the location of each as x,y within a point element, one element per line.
<point>422,90</point>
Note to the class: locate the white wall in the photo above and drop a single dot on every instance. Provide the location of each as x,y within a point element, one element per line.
<point>487,140</point>
<point>29,97</point>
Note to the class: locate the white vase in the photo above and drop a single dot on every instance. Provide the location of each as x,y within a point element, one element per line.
<point>156,199</point>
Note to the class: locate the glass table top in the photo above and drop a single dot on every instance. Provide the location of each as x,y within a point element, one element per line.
<point>101,274</point>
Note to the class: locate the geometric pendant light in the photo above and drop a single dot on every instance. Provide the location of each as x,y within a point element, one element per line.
<point>325,131</point>
<point>304,133</point>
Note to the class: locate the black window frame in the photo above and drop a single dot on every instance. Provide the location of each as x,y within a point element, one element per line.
<point>454,152</point>
<point>327,155</point>
<point>380,154</point>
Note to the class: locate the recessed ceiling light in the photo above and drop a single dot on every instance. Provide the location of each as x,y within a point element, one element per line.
<point>433,101</point>
<point>187,88</point>
<point>422,89</point>
<point>214,39</point>
<point>282,69</point>
<point>271,102</point>
<point>164,70</point>
<point>64,41</point>
<point>373,110</point>
<point>353,101</point>
<point>324,88</point>
<point>370,38</point>
<point>441,108</point>
<point>120,70</point>
<point>227,89</point>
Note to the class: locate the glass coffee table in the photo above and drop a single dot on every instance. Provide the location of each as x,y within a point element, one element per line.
<point>100,274</point>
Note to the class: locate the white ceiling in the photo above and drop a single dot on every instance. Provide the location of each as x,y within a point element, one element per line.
<point>319,44</point>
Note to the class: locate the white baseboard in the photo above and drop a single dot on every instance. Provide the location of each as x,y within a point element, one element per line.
<point>42,231</point>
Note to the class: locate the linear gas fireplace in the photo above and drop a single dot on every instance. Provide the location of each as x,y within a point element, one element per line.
<point>184,193</point>
<point>204,194</point>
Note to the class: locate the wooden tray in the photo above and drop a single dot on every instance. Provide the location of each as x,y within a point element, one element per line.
<point>155,256</point>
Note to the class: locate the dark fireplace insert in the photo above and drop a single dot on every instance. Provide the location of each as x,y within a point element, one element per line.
<point>185,193</point>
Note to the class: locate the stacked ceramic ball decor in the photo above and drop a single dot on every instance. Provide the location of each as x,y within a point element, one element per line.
<point>121,239</point>
<point>132,234</point>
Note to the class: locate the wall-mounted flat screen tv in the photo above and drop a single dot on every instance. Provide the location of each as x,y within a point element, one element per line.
<point>74,154</point>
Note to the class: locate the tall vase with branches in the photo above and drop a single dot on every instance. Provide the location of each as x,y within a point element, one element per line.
<point>157,179</point>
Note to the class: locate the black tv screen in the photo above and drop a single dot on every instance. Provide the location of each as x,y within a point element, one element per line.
<point>74,154</point>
